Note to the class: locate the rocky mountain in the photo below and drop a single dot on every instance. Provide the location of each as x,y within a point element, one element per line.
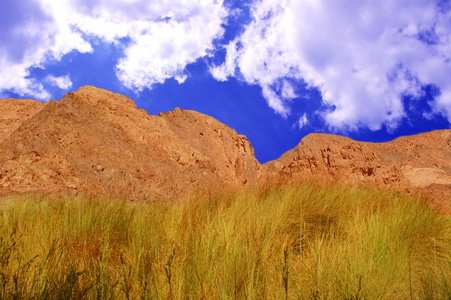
<point>97,142</point>
<point>420,163</point>
<point>13,112</point>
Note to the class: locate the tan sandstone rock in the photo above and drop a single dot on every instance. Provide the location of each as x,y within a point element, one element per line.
<point>420,163</point>
<point>14,112</point>
<point>97,142</point>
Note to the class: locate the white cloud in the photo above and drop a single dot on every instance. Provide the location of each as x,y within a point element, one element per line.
<point>163,49</point>
<point>62,82</point>
<point>28,38</point>
<point>303,121</point>
<point>227,69</point>
<point>363,56</point>
<point>164,37</point>
<point>181,78</point>
<point>14,78</point>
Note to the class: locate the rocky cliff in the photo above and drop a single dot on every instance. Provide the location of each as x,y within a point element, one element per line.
<point>420,163</point>
<point>97,142</point>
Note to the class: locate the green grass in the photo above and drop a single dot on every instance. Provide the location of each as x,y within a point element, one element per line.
<point>292,242</point>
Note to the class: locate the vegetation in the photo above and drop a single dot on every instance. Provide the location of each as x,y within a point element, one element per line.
<point>290,242</point>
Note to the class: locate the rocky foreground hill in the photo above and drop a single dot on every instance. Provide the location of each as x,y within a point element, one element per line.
<point>96,142</point>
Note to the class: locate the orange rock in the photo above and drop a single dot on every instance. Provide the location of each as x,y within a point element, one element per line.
<point>420,163</point>
<point>13,112</point>
<point>94,141</point>
<point>97,142</point>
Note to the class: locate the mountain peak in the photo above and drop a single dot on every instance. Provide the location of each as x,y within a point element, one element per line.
<point>101,99</point>
<point>95,141</point>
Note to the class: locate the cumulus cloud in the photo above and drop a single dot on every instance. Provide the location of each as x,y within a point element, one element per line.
<point>29,37</point>
<point>62,82</point>
<point>163,49</point>
<point>363,56</point>
<point>164,36</point>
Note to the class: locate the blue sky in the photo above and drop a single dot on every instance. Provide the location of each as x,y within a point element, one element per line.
<point>274,70</point>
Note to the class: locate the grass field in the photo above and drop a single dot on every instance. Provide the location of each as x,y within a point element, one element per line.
<point>289,242</point>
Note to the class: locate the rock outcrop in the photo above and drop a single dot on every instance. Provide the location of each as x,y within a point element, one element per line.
<point>97,142</point>
<point>13,112</point>
<point>420,163</point>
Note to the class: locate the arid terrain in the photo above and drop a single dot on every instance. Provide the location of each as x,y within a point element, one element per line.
<point>332,218</point>
<point>97,142</point>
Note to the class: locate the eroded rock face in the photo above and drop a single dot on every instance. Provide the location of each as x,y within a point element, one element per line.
<point>14,112</point>
<point>97,142</point>
<point>420,163</point>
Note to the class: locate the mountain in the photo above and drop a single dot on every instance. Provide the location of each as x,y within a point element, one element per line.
<point>419,163</point>
<point>97,142</point>
<point>13,112</point>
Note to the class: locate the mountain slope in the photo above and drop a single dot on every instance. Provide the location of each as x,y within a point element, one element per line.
<point>13,112</point>
<point>95,141</point>
<point>420,163</point>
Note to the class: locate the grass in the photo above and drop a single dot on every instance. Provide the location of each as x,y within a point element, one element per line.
<point>290,242</point>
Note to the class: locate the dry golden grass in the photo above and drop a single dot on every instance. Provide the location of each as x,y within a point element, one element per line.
<point>286,242</point>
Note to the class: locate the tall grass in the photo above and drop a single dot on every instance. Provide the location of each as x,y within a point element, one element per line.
<point>292,242</point>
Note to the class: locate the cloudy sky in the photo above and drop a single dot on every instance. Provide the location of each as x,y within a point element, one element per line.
<point>274,70</point>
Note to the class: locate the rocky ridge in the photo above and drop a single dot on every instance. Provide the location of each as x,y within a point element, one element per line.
<point>97,142</point>
<point>13,112</point>
<point>419,164</point>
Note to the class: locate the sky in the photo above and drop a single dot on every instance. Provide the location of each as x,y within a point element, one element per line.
<point>274,70</point>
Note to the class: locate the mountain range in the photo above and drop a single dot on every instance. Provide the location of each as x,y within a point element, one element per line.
<point>93,141</point>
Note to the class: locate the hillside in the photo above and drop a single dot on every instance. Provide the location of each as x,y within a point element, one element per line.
<point>97,142</point>
<point>419,164</point>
